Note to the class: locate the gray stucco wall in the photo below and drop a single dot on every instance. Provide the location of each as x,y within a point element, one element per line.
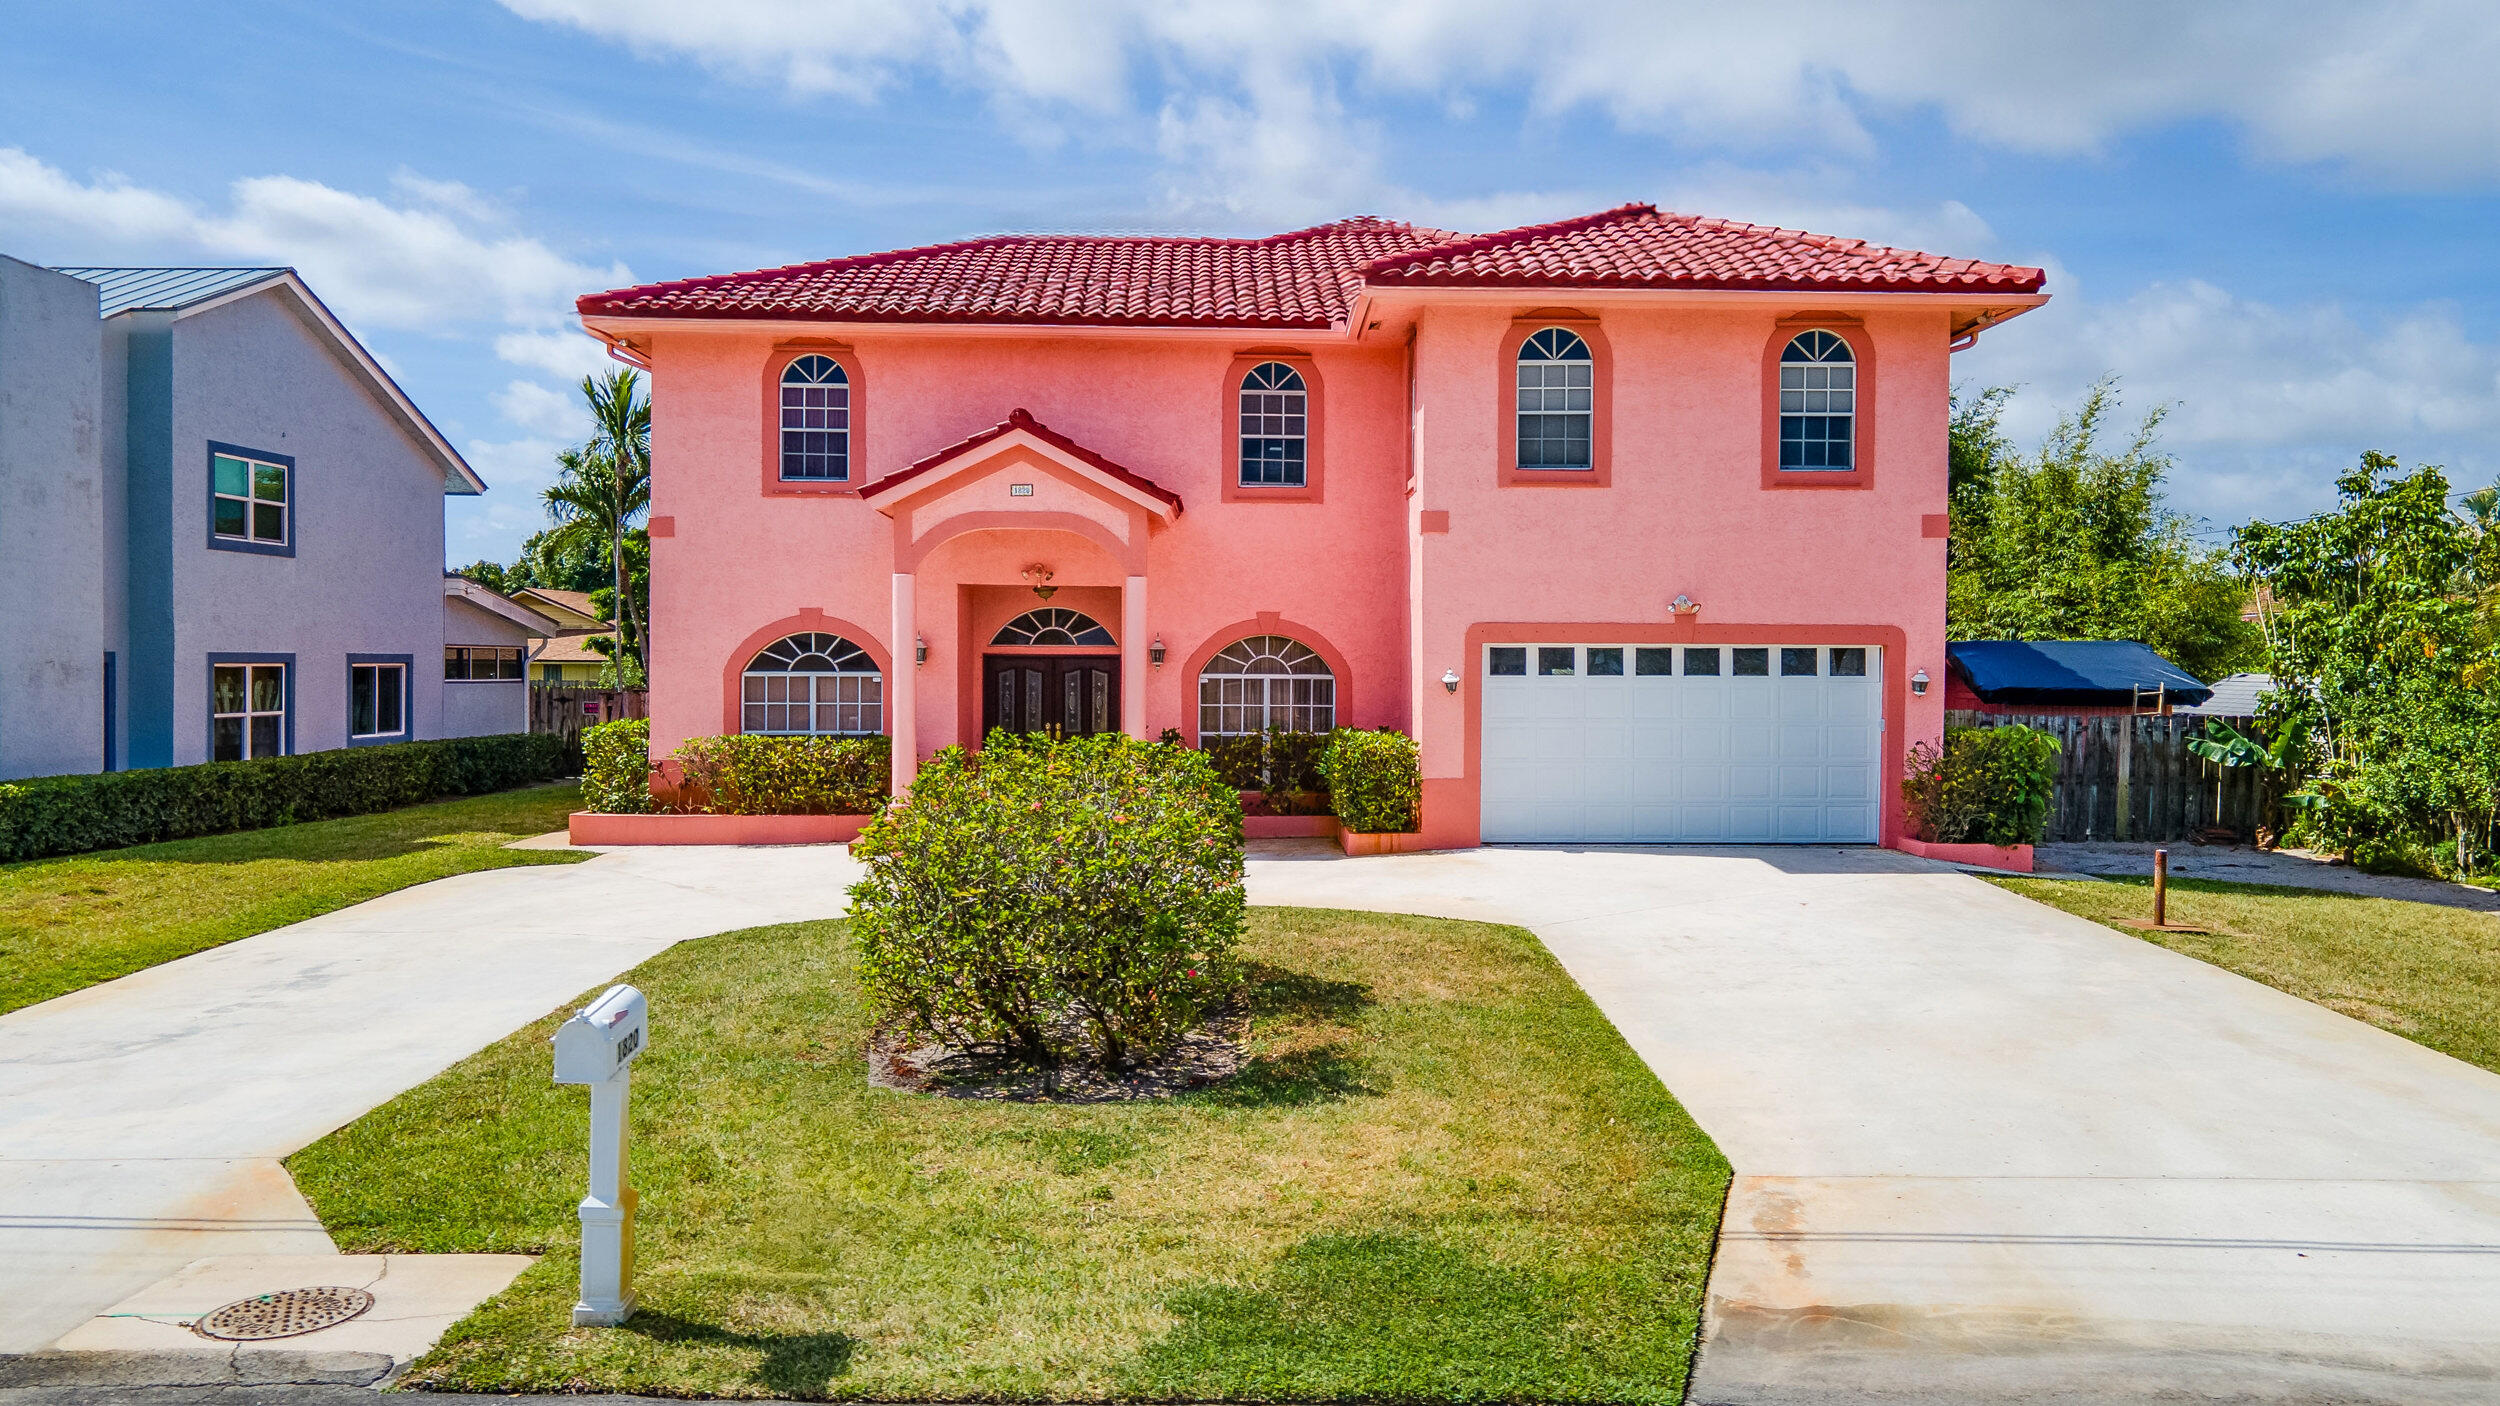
<point>365,577</point>
<point>481,707</point>
<point>52,503</point>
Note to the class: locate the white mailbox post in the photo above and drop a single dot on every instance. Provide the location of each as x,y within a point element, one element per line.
<point>598,1047</point>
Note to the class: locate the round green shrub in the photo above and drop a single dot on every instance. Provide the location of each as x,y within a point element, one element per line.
<point>616,767</point>
<point>1063,899</point>
<point>1375,780</point>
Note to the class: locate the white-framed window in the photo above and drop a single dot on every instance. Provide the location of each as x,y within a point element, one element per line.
<point>815,420</point>
<point>812,685</point>
<point>377,701</point>
<point>247,711</point>
<point>248,500</point>
<point>1818,402</point>
<point>474,662</point>
<point>1275,427</point>
<point>1052,626</point>
<point>1266,681</point>
<point>1557,400</point>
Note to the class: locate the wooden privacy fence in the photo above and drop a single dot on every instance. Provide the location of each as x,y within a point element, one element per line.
<point>566,708</point>
<point>2133,778</point>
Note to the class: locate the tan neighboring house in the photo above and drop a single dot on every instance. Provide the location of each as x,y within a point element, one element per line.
<point>566,655</point>
<point>486,639</point>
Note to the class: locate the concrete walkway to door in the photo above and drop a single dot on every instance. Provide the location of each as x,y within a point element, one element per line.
<point>1987,1151</point>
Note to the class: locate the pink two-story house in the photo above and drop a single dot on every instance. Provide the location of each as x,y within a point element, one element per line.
<point>1635,521</point>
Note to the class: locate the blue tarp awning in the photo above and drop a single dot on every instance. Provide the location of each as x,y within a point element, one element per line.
<point>2069,671</point>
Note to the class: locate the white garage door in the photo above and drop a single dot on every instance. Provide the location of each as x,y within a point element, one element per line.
<point>1742,744</point>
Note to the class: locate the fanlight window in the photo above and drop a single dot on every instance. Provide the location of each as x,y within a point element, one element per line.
<point>815,420</point>
<point>1818,403</point>
<point>1275,424</point>
<point>812,684</point>
<point>1266,681</point>
<point>1053,626</point>
<point>1557,399</point>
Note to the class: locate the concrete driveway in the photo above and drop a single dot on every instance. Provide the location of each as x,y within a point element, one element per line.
<point>141,1121</point>
<point>1986,1151</point>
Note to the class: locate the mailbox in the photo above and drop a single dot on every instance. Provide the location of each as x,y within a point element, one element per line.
<point>598,1047</point>
<point>598,1044</point>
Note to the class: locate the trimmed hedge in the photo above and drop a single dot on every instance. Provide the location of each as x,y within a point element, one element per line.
<point>74,814</point>
<point>741,775</point>
<point>1990,786</point>
<point>1375,779</point>
<point>616,767</point>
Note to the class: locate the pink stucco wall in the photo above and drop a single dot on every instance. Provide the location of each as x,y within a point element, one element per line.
<point>1356,574</point>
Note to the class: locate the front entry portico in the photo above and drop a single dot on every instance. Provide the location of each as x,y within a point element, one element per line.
<point>975,518</point>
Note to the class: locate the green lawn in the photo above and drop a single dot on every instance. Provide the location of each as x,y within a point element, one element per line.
<point>71,922</point>
<point>2428,973</point>
<point>1442,1176</point>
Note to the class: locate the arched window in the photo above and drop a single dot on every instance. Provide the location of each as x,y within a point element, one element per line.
<point>1818,403</point>
<point>1266,681</point>
<point>1275,421</point>
<point>815,420</point>
<point>1557,400</point>
<point>812,684</point>
<point>1053,626</point>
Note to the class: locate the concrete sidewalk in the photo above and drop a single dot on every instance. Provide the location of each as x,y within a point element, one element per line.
<point>141,1121</point>
<point>1987,1151</point>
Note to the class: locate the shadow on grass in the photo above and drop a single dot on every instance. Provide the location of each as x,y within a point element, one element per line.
<point>794,1364</point>
<point>1293,1079</point>
<point>1386,1317</point>
<point>1275,992</point>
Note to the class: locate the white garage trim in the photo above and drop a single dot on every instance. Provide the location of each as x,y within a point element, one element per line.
<point>1704,743</point>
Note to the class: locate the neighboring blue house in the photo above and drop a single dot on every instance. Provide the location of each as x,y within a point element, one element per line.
<point>222,525</point>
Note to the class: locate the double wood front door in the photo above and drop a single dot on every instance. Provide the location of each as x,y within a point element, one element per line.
<point>1075,695</point>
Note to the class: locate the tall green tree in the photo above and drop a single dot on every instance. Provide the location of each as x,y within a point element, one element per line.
<point>602,487</point>
<point>2383,654</point>
<point>2074,540</point>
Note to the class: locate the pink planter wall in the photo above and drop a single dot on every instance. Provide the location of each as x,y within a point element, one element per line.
<point>591,828</point>
<point>1387,842</point>
<point>2014,857</point>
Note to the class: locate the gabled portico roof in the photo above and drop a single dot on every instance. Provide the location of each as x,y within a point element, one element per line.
<point>1021,430</point>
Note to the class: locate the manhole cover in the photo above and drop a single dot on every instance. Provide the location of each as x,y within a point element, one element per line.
<point>285,1314</point>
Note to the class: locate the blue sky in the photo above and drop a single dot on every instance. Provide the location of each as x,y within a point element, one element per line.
<point>2278,220</point>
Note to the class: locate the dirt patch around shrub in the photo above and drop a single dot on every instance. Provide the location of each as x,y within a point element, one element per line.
<point>1200,1059</point>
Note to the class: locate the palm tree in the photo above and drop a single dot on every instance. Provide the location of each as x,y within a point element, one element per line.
<point>604,485</point>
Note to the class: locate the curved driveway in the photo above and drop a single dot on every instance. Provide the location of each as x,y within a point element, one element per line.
<point>1984,1150</point>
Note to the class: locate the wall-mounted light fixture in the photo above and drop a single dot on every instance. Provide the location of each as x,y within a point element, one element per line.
<point>1449,679</point>
<point>1685,605</point>
<point>1918,683</point>
<point>1154,652</point>
<point>1038,577</point>
<point>920,649</point>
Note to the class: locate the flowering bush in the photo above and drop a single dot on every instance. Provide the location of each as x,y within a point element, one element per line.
<point>1064,899</point>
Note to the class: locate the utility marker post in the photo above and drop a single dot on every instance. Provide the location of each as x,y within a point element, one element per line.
<point>2161,888</point>
<point>598,1047</point>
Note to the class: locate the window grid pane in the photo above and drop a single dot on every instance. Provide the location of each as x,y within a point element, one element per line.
<point>815,421</point>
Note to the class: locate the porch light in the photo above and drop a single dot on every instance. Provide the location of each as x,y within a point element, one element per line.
<point>1154,652</point>
<point>1449,679</point>
<point>1918,683</point>
<point>1685,605</point>
<point>920,649</point>
<point>1038,577</point>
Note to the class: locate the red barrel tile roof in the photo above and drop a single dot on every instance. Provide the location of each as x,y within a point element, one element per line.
<point>1638,246</point>
<point>1306,279</point>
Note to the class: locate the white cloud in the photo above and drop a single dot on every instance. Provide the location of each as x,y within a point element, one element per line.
<point>422,265</point>
<point>2270,402</point>
<point>2397,91</point>
<point>542,411</point>
<point>568,355</point>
